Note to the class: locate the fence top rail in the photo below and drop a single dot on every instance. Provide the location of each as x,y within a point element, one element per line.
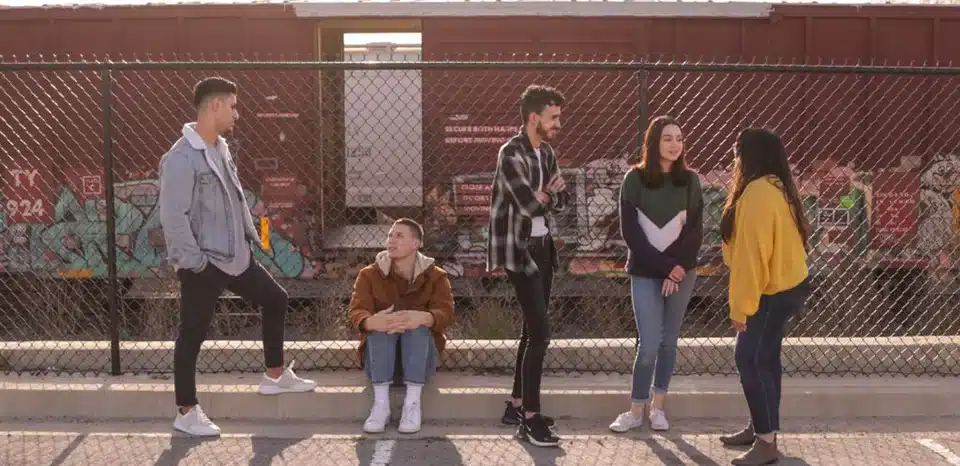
<point>443,65</point>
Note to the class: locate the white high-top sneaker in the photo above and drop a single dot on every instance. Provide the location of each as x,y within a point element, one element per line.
<point>196,423</point>
<point>411,418</point>
<point>379,417</point>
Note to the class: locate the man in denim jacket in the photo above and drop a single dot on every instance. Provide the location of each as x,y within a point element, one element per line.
<point>208,230</point>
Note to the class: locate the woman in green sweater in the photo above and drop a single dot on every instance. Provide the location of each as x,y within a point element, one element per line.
<point>661,212</point>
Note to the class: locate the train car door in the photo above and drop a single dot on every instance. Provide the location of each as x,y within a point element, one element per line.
<point>383,114</point>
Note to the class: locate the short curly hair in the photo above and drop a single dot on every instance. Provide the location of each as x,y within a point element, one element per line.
<point>537,97</point>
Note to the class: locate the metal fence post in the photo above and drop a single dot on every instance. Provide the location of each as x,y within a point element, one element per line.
<point>106,76</point>
<point>643,107</point>
<point>643,114</point>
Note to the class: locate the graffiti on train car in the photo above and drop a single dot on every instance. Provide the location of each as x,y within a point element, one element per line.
<point>73,243</point>
<point>905,212</point>
<point>939,224</point>
<point>66,234</point>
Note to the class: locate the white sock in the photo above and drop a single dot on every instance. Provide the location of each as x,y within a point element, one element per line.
<point>381,394</point>
<point>413,393</point>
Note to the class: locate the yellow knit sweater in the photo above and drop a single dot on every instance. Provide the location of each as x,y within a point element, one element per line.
<point>766,254</point>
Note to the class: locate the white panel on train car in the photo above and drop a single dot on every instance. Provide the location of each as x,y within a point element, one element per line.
<point>384,135</point>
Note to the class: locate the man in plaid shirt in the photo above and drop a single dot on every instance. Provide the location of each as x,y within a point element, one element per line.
<point>527,188</point>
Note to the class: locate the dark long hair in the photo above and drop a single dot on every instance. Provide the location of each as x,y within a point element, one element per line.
<point>760,153</point>
<point>650,157</point>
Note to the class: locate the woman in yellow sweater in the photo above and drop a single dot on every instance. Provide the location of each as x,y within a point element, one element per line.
<point>765,235</point>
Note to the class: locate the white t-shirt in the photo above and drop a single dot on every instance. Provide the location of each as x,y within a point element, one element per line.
<point>539,223</point>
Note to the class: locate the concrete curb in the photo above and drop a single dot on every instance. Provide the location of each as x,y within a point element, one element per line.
<point>897,355</point>
<point>345,396</point>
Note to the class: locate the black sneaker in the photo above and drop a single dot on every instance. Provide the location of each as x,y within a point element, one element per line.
<point>536,431</point>
<point>514,416</point>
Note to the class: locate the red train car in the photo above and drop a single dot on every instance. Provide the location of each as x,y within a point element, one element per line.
<point>301,142</point>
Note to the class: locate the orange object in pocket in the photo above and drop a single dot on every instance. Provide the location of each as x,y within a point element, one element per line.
<point>265,233</point>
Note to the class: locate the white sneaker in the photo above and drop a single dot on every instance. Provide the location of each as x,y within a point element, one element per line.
<point>196,423</point>
<point>626,421</point>
<point>287,383</point>
<point>411,418</point>
<point>377,421</point>
<point>658,420</point>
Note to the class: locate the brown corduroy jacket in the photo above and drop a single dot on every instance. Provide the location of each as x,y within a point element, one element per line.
<point>376,289</point>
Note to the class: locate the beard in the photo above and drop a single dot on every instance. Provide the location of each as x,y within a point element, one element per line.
<point>543,133</point>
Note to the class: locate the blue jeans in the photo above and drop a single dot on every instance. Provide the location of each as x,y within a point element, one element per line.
<point>419,353</point>
<point>658,325</point>
<point>758,355</point>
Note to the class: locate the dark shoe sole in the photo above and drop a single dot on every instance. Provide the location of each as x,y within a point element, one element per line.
<point>736,443</point>
<point>736,463</point>
<point>512,421</point>
<point>520,435</point>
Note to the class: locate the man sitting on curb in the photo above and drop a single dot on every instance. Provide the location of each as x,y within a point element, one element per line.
<point>401,296</point>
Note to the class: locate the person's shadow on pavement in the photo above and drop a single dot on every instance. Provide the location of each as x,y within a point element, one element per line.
<point>265,449</point>
<point>544,456</point>
<point>180,447</point>
<point>668,457</point>
<point>412,451</point>
<point>784,459</point>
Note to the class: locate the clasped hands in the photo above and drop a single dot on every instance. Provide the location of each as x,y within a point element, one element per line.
<point>391,321</point>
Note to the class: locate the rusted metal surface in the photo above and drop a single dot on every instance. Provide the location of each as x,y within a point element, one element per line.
<point>285,126</point>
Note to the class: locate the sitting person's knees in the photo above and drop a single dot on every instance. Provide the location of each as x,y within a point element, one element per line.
<point>420,331</point>
<point>375,335</point>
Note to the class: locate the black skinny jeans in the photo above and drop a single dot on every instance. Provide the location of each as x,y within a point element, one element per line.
<point>199,293</point>
<point>533,293</point>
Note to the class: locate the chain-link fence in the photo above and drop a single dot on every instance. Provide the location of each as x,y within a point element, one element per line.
<point>331,153</point>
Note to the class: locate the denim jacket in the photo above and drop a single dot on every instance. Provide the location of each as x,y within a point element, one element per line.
<point>195,214</point>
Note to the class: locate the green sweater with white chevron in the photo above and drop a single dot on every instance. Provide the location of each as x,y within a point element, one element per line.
<point>662,225</point>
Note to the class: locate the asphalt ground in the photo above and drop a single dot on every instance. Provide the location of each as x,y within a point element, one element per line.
<point>866,441</point>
